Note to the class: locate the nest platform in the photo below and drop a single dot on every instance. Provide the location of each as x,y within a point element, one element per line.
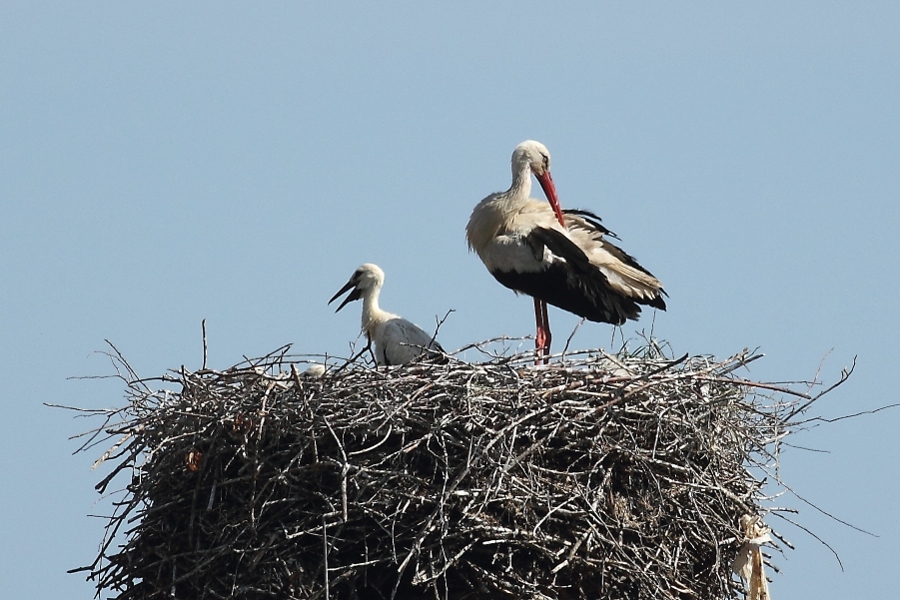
<point>601,476</point>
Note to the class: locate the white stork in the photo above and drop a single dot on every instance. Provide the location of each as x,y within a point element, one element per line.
<point>556,256</point>
<point>397,341</point>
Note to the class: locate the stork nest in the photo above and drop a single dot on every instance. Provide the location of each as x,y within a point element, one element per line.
<point>600,476</point>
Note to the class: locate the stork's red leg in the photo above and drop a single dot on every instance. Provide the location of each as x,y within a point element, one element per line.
<point>543,336</point>
<point>547,335</point>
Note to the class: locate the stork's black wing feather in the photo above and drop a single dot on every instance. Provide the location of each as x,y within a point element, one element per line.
<point>571,282</point>
<point>561,245</point>
<point>592,219</point>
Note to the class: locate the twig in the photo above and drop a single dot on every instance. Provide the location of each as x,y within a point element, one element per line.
<point>205,348</point>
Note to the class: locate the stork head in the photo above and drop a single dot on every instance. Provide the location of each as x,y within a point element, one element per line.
<point>534,154</point>
<point>537,158</point>
<point>365,278</point>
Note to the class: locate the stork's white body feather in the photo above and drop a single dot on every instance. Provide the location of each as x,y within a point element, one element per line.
<point>497,233</point>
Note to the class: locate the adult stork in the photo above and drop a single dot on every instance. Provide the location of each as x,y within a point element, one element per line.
<point>560,257</point>
<point>397,341</point>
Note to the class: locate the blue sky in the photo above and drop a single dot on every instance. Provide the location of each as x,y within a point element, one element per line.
<point>164,163</point>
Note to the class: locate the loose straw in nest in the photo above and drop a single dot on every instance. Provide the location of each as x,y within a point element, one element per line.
<point>602,476</point>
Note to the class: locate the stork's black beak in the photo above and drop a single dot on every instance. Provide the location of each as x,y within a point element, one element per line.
<point>354,295</point>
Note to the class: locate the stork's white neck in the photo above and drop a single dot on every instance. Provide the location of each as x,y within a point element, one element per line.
<point>371,312</point>
<point>520,190</point>
<point>370,306</point>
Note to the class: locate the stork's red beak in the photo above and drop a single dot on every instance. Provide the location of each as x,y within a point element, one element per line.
<point>546,182</point>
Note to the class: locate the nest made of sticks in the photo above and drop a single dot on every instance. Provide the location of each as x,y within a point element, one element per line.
<point>602,476</point>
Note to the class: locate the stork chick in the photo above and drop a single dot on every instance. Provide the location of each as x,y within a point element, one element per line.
<point>397,341</point>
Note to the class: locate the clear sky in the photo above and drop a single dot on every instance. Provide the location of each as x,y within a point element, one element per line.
<point>164,163</point>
